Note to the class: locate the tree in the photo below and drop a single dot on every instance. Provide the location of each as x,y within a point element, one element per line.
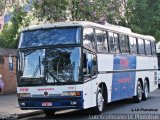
<point>91,10</point>
<point>2,6</point>
<point>9,36</point>
<point>50,10</point>
<point>143,16</point>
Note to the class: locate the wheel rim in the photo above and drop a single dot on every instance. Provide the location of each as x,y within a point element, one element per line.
<point>146,90</point>
<point>139,92</point>
<point>100,101</point>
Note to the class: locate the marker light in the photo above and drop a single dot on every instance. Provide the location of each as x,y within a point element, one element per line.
<point>23,95</point>
<point>71,93</point>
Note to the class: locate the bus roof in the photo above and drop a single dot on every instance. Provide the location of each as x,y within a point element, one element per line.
<point>107,26</point>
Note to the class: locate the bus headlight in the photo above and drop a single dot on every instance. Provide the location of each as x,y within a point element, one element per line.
<point>71,93</point>
<point>23,95</point>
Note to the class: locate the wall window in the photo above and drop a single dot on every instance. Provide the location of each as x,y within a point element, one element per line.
<point>113,42</point>
<point>102,45</point>
<point>124,43</point>
<point>133,45</point>
<point>148,47</point>
<point>88,38</point>
<point>153,46</point>
<point>141,46</point>
<point>10,59</point>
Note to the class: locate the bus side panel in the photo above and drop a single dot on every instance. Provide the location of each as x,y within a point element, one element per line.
<point>105,78</point>
<point>123,82</point>
<point>105,63</point>
<point>87,96</point>
<point>146,66</point>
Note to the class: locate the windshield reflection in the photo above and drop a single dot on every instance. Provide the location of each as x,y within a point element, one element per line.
<point>63,64</point>
<point>46,37</point>
<point>32,63</point>
<point>55,65</point>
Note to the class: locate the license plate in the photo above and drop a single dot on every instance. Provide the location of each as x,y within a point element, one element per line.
<point>46,103</point>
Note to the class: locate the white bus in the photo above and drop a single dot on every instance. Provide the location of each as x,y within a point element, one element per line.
<point>80,65</point>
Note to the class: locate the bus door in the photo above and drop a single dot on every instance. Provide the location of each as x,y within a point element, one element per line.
<point>89,71</point>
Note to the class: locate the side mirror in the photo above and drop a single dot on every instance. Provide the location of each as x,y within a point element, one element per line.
<point>94,70</point>
<point>88,75</point>
<point>84,70</point>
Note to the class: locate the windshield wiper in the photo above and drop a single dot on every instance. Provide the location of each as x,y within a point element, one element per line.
<point>38,68</point>
<point>36,71</point>
<point>54,78</point>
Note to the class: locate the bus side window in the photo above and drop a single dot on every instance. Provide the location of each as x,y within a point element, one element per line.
<point>148,47</point>
<point>116,43</point>
<point>113,42</point>
<point>133,45</point>
<point>124,43</point>
<point>153,46</point>
<point>102,45</point>
<point>89,65</point>
<point>89,38</point>
<point>141,46</point>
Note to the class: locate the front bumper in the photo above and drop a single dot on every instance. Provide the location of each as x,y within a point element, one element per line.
<point>58,103</point>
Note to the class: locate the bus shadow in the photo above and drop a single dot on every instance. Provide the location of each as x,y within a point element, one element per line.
<point>84,114</point>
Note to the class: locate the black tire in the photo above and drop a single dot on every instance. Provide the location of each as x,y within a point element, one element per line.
<point>145,91</point>
<point>100,102</point>
<point>49,113</point>
<point>138,97</point>
<point>158,85</point>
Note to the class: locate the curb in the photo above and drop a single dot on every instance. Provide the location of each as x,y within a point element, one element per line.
<point>23,115</point>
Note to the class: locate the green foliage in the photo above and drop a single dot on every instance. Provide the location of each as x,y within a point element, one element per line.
<point>2,6</point>
<point>143,16</point>
<point>91,10</point>
<point>9,36</point>
<point>50,10</point>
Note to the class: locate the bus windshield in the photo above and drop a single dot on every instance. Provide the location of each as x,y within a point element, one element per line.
<point>51,65</point>
<point>46,37</point>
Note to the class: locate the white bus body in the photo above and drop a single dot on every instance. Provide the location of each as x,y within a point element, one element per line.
<point>115,75</point>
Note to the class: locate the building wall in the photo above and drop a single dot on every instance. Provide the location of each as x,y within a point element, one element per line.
<point>8,77</point>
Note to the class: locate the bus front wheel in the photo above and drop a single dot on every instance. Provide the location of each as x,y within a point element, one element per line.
<point>138,97</point>
<point>100,102</point>
<point>49,112</point>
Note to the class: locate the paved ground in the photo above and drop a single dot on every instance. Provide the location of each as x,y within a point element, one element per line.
<point>9,106</point>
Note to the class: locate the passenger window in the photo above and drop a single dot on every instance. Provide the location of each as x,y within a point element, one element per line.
<point>88,38</point>
<point>133,45</point>
<point>153,46</point>
<point>141,46</point>
<point>148,47</point>
<point>124,43</point>
<point>102,45</point>
<point>113,42</point>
